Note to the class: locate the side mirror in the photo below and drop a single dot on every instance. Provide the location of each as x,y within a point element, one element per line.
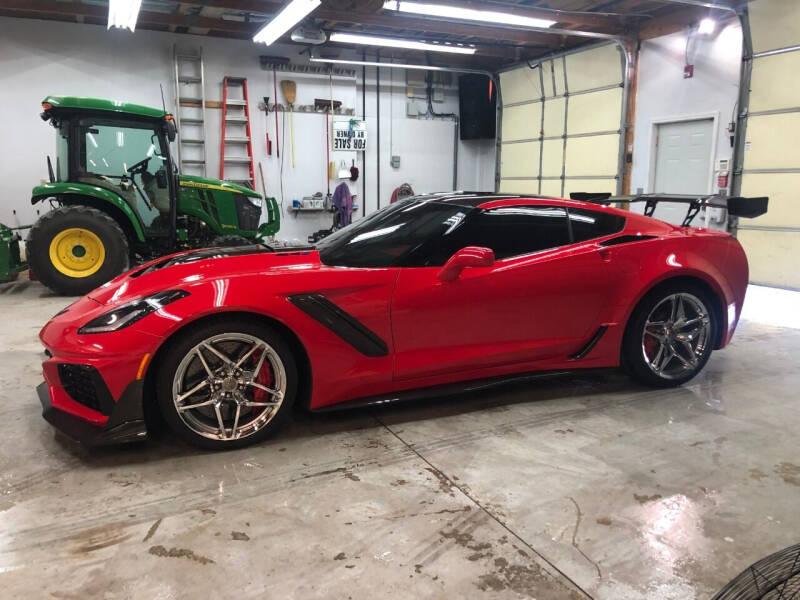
<point>172,130</point>
<point>471,256</point>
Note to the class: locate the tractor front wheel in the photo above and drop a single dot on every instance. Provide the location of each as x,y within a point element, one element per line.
<point>74,249</point>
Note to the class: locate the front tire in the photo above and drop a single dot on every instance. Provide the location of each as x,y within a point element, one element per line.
<point>670,335</point>
<point>74,249</point>
<point>226,384</point>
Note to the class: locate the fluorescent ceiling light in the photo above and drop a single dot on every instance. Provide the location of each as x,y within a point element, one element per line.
<point>291,15</point>
<point>706,26</point>
<point>123,13</point>
<point>466,14</point>
<point>369,40</point>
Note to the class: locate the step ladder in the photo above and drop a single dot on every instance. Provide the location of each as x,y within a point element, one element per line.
<point>190,111</point>
<point>236,133</point>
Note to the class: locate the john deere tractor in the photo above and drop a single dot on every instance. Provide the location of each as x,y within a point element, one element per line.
<point>117,197</point>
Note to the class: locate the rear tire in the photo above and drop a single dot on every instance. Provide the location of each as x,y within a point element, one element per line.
<point>186,378</point>
<point>670,335</point>
<point>74,249</point>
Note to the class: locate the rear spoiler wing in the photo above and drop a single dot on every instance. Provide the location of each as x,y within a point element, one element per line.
<point>736,206</point>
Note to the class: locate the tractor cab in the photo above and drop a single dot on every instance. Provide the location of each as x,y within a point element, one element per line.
<point>119,147</point>
<point>118,197</point>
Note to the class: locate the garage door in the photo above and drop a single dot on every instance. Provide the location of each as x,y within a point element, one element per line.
<point>561,124</point>
<point>772,144</point>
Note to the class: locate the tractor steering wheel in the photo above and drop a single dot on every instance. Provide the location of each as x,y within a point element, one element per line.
<point>139,167</point>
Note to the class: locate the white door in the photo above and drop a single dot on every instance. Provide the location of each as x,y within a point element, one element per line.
<point>683,163</point>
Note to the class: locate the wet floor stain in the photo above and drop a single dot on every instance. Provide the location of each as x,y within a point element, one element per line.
<point>152,530</point>
<point>578,518</point>
<point>789,472</point>
<point>179,553</point>
<point>527,580</point>
<point>644,498</point>
<point>445,485</point>
<point>99,538</point>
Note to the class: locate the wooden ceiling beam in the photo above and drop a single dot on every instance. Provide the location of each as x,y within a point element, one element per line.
<point>406,22</point>
<point>28,8</point>
<point>585,19</point>
<point>677,21</point>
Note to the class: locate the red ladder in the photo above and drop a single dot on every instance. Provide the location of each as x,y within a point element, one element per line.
<point>237,120</point>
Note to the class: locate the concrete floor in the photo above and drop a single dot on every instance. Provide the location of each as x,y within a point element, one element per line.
<point>582,486</point>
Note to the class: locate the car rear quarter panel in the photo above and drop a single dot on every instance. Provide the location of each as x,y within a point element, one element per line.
<point>714,258</point>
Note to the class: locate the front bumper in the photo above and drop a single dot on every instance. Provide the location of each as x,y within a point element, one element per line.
<point>125,424</point>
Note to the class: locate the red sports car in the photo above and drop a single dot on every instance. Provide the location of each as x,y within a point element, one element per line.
<point>430,295</point>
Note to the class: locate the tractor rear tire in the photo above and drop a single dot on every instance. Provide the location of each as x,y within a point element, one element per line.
<point>74,249</point>
<point>226,241</point>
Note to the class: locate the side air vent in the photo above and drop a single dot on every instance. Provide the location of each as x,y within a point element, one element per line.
<point>626,239</point>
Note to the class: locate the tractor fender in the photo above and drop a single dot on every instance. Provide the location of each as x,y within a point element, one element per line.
<point>100,197</point>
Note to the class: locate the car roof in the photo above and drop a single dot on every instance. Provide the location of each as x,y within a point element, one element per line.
<point>495,200</point>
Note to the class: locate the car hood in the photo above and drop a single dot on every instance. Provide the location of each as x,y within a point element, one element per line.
<point>187,269</point>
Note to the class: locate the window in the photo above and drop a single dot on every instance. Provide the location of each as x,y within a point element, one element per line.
<point>516,230</point>
<point>128,159</point>
<point>590,224</point>
<point>399,235</point>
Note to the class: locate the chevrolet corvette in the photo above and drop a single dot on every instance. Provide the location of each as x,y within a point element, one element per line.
<point>428,296</point>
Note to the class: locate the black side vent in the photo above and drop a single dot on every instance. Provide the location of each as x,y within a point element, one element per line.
<point>343,324</point>
<point>85,385</point>
<point>626,239</point>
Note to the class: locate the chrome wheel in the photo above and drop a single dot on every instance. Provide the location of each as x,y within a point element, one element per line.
<point>229,386</point>
<point>676,336</point>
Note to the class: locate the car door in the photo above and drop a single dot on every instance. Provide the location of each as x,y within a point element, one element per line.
<point>541,299</point>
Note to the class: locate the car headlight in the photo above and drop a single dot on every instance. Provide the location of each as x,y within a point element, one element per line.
<point>129,313</point>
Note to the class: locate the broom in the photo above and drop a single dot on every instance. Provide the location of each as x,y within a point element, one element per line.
<point>289,89</point>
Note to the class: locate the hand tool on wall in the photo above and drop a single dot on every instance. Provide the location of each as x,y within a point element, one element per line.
<point>289,88</point>
<point>268,142</point>
<point>277,137</point>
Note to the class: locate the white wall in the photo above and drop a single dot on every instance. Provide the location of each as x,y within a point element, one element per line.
<point>663,93</point>
<point>38,58</point>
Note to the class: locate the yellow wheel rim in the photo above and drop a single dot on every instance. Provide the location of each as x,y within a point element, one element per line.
<point>77,252</point>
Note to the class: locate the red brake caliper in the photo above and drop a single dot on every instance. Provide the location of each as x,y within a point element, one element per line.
<point>650,345</point>
<point>263,377</point>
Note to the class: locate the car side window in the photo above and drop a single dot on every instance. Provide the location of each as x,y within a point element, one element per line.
<point>590,224</point>
<point>516,230</point>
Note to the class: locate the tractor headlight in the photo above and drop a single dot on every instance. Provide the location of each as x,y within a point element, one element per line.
<point>255,201</point>
<point>129,313</point>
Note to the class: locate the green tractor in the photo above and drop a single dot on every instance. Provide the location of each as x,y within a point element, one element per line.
<point>117,198</point>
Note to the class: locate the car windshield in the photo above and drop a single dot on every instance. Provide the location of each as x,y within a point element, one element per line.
<point>398,235</point>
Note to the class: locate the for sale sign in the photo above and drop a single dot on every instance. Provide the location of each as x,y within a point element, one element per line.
<point>350,135</point>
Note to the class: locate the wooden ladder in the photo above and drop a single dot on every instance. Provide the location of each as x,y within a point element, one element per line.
<point>238,120</point>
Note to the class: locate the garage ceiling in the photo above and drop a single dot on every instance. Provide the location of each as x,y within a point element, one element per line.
<point>497,46</point>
